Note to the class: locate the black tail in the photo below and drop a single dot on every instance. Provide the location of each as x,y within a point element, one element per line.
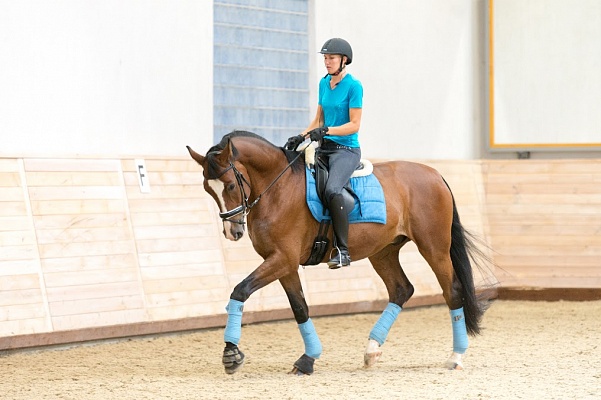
<point>463,252</point>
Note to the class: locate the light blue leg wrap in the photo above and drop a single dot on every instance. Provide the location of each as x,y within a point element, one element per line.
<point>233,328</point>
<point>460,341</point>
<point>380,330</point>
<point>312,344</point>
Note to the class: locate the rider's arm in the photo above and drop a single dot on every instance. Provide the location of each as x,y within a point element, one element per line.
<point>350,127</point>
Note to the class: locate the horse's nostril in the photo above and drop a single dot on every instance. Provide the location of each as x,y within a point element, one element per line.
<point>239,235</point>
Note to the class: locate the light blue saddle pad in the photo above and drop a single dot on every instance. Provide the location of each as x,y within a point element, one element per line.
<point>367,188</point>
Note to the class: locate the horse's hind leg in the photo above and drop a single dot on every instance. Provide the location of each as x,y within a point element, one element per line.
<point>435,251</point>
<point>293,288</point>
<point>387,265</point>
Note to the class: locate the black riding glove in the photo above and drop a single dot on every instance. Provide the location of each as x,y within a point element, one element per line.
<point>294,142</point>
<point>318,133</point>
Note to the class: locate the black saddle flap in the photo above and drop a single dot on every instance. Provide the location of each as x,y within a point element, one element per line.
<point>321,177</point>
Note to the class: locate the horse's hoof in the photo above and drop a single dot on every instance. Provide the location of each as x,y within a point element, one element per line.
<point>303,366</point>
<point>372,353</point>
<point>454,362</point>
<point>296,371</point>
<point>233,359</point>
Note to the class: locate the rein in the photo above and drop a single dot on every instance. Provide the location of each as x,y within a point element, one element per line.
<point>245,207</point>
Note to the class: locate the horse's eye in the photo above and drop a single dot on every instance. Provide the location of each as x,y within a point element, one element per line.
<point>231,187</point>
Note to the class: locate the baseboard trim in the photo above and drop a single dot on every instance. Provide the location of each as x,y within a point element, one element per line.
<point>549,294</point>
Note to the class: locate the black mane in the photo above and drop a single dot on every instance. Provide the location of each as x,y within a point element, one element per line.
<point>214,168</point>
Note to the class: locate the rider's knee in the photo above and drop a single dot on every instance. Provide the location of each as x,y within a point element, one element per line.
<point>331,193</point>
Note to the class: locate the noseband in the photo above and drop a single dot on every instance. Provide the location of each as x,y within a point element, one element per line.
<point>246,206</point>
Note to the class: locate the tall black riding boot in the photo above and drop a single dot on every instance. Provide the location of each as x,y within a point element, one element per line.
<point>339,215</point>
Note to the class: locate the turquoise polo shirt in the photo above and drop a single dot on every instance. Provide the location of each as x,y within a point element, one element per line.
<point>336,104</point>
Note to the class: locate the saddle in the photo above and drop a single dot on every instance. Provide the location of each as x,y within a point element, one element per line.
<point>321,172</point>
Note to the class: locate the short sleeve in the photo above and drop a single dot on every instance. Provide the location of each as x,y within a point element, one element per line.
<point>356,95</point>
<point>322,87</point>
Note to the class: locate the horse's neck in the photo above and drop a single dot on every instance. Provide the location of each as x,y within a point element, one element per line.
<point>263,165</point>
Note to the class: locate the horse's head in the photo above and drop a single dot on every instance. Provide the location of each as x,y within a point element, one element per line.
<point>224,183</point>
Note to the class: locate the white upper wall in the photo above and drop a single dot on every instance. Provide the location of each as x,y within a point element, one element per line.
<point>124,77</point>
<point>417,62</point>
<point>105,77</point>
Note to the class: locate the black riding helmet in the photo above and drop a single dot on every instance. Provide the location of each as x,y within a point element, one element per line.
<point>338,46</point>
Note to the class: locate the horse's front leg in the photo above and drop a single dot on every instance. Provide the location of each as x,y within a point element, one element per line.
<point>270,270</point>
<point>292,285</point>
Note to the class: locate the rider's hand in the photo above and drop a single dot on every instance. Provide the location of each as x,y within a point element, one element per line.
<point>318,133</point>
<point>294,142</point>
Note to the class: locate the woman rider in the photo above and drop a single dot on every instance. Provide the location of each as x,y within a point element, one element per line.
<point>336,125</point>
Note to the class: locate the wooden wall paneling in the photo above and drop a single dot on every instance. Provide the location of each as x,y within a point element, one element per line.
<point>345,285</point>
<point>206,292</point>
<point>107,263</point>
<point>70,165</point>
<point>174,231</point>
<point>99,319</point>
<point>76,207</point>
<point>23,306</point>
<point>88,306</point>
<point>83,279</point>
<point>82,247</point>
<point>184,285</point>
<point>18,263</point>
<point>198,216</point>
<point>82,235</point>
<point>9,178</point>
<point>192,310</point>
<point>11,326</point>
<point>204,243</point>
<point>97,291</point>
<point>180,256</point>
<point>546,216</point>
<point>86,247</point>
<point>73,179</point>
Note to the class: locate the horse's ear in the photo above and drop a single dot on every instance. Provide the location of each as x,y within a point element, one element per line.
<point>197,157</point>
<point>229,152</point>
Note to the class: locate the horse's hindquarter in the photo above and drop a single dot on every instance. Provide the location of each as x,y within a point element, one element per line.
<point>414,193</point>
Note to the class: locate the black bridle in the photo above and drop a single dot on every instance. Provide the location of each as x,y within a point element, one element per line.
<point>246,205</point>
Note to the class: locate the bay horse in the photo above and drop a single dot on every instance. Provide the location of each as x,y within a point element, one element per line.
<point>258,184</point>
